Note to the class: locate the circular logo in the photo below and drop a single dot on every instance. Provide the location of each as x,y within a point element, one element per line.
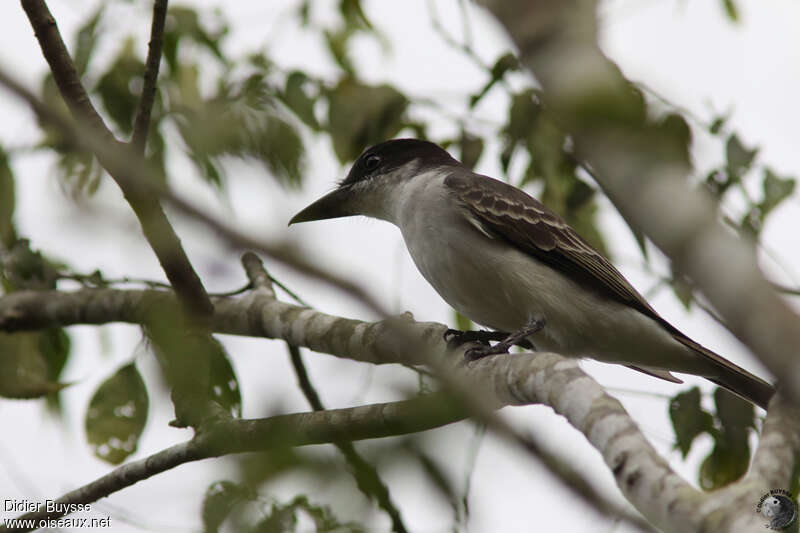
<point>779,508</point>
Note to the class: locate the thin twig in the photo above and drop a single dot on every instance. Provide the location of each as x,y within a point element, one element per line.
<point>142,122</point>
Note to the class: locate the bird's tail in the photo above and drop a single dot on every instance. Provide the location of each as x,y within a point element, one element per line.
<point>732,377</point>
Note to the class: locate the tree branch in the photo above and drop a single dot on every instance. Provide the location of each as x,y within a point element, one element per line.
<point>238,436</point>
<point>142,122</point>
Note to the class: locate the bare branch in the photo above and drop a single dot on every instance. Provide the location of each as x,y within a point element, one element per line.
<point>142,123</point>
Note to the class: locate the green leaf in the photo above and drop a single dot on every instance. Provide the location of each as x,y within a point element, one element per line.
<point>220,499</point>
<point>54,345</point>
<point>242,121</point>
<point>738,157</point>
<point>24,372</point>
<point>184,23</point>
<point>462,323</point>
<point>117,415</point>
<point>119,88</point>
<point>296,99</point>
<point>504,64</point>
<point>735,414</point>
<point>471,148</point>
<point>731,10</point>
<point>725,464</point>
<point>8,234</point>
<point>776,190</point>
<point>361,115</point>
<point>86,39</point>
<point>523,115</point>
<point>689,420</point>
<point>337,42</point>
<point>223,384</point>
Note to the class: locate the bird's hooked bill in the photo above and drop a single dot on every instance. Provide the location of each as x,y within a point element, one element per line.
<point>332,205</point>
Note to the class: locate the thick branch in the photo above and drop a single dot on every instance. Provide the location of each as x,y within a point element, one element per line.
<point>142,123</point>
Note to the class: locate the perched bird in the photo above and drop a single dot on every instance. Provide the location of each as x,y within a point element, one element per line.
<point>504,260</point>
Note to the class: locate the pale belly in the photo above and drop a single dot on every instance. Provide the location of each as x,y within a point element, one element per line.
<point>501,288</point>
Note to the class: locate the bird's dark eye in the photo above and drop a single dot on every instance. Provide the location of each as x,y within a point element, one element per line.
<point>372,162</point>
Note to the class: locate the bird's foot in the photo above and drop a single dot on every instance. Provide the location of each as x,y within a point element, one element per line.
<point>455,338</point>
<point>518,337</point>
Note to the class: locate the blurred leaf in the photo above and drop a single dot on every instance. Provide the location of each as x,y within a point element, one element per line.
<point>523,115</point>
<point>353,14</point>
<point>28,269</point>
<point>738,157</point>
<point>362,115</point>
<point>242,121</point>
<point>220,499</point>
<point>689,420</point>
<point>462,323</point>
<point>119,88</point>
<point>731,10</point>
<point>337,42</point>
<point>676,130</point>
<point>298,101</point>
<point>724,465</point>
<point>117,415</point>
<point>85,41</point>
<point>24,372</point>
<point>223,385</point>
<point>719,181</point>
<point>54,345</point>
<point>735,414</point>
<point>730,457</point>
<point>8,234</point>
<point>717,124</point>
<point>471,148</point>
<point>776,190</point>
<point>184,23</point>
<point>504,64</point>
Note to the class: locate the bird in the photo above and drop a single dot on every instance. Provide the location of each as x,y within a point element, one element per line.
<point>507,262</point>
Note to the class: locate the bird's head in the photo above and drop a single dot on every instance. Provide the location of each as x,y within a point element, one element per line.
<point>374,179</point>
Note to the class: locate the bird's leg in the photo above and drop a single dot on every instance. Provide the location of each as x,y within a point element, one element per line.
<point>456,338</point>
<point>518,337</point>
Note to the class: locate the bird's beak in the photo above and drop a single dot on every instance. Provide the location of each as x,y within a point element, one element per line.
<point>332,205</point>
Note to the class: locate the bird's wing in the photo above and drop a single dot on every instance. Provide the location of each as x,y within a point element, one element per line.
<point>505,212</point>
<point>508,213</point>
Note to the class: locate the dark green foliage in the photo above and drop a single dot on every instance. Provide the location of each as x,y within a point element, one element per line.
<point>86,39</point>
<point>227,501</point>
<point>728,427</point>
<point>8,234</point>
<point>361,115</point>
<point>120,87</point>
<point>296,97</point>
<point>471,147</point>
<point>688,419</point>
<point>184,24</point>
<point>223,385</point>
<point>241,120</point>
<point>25,370</point>
<point>117,415</point>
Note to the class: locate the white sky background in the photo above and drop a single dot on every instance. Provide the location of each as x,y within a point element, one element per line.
<point>686,51</point>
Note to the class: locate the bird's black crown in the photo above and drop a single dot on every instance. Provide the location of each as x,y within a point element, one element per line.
<point>389,155</point>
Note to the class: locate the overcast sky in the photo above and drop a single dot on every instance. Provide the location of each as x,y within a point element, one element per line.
<point>689,52</point>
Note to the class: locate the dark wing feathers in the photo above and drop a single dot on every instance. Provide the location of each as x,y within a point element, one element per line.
<point>508,213</point>
<point>512,215</point>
